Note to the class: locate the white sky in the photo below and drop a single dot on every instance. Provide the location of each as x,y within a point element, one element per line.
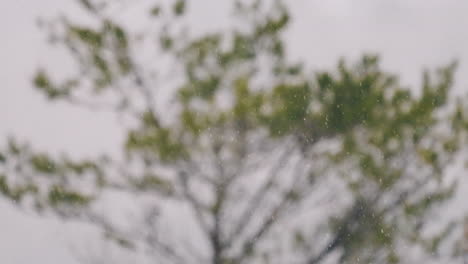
<point>409,36</point>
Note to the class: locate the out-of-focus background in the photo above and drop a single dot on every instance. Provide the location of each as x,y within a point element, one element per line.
<point>408,35</point>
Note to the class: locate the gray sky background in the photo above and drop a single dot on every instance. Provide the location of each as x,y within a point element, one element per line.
<point>409,36</point>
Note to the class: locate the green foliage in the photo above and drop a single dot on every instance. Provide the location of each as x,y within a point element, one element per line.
<point>87,36</point>
<point>59,196</point>
<point>155,183</point>
<point>43,83</point>
<point>421,205</point>
<point>290,105</point>
<point>179,7</point>
<point>272,25</point>
<point>155,11</point>
<point>247,103</point>
<point>353,98</point>
<point>204,88</point>
<point>42,163</point>
<point>159,141</point>
<point>15,193</point>
<point>239,100</point>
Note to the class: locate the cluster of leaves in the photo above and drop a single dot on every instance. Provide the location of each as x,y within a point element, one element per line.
<point>90,47</point>
<point>48,181</point>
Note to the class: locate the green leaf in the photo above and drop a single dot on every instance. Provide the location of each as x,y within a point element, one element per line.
<point>156,10</point>
<point>179,7</point>
<point>87,35</point>
<point>43,163</point>
<point>151,182</point>
<point>58,195</point>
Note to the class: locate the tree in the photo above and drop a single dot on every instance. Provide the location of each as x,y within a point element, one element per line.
<point>253,159</point>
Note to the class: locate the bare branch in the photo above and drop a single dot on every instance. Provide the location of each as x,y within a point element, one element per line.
<point>196,206</point>
<point>258,197</point>
<point>275,214</point>
<point>356,214</point>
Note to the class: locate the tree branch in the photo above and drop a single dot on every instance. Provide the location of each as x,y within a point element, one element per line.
<point>258,197</point>
<point>274,215</point>
<point>196,206</point>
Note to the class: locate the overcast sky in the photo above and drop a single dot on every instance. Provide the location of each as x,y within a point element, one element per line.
<point>409,36</point>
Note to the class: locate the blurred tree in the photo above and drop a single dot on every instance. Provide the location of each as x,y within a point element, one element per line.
<point>235,153</point>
